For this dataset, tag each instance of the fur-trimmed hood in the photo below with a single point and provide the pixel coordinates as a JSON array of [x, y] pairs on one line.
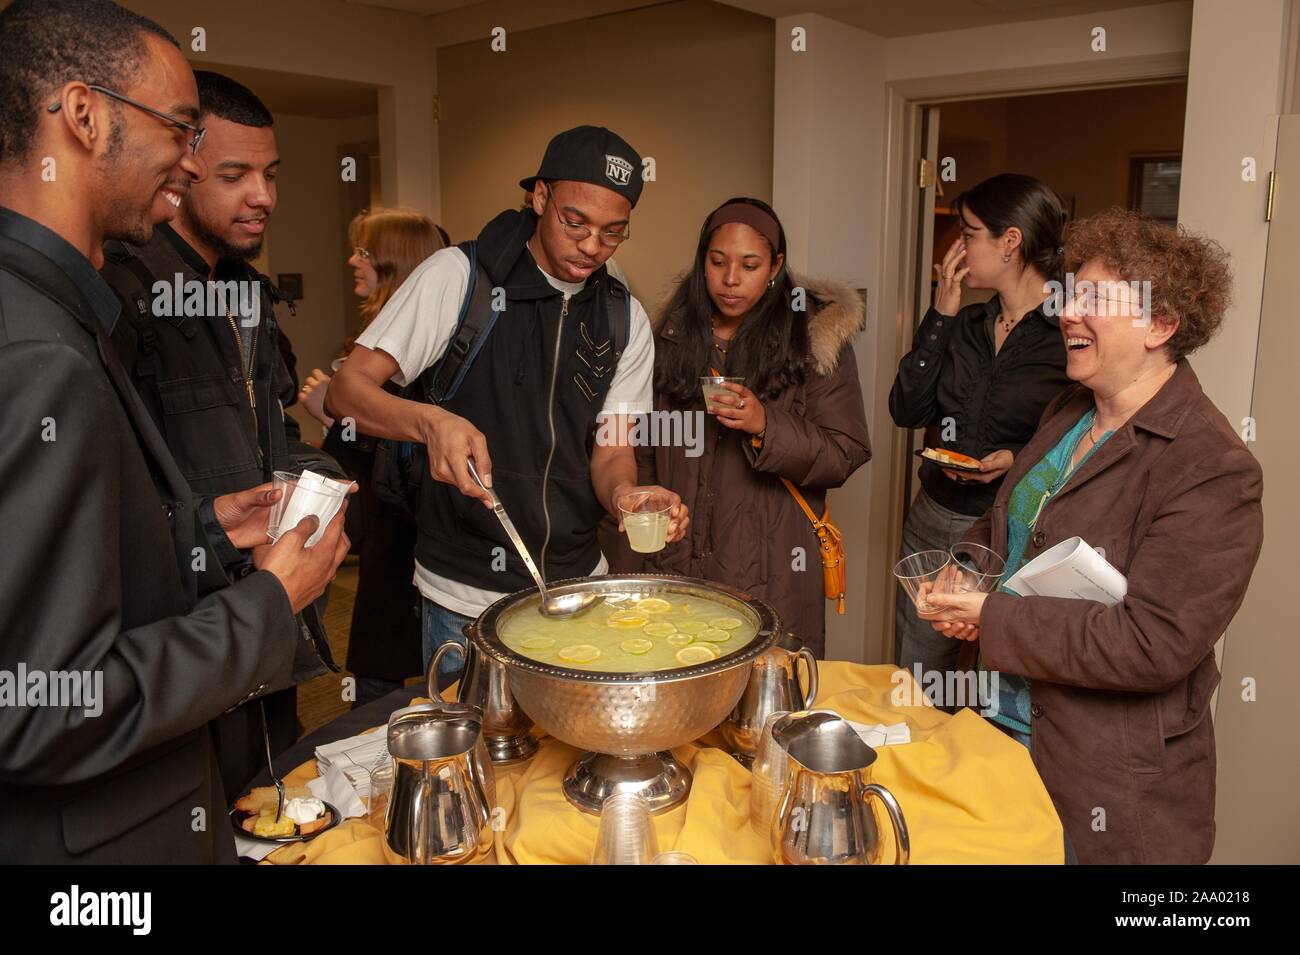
[[840, 313]]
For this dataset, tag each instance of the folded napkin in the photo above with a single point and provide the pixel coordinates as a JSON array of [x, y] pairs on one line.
[[876, 735], [355, 757]]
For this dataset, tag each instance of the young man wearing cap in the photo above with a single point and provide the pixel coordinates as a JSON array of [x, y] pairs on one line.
[[533, 398]]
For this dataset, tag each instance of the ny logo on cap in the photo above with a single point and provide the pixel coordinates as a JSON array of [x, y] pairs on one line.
[[618, 170]]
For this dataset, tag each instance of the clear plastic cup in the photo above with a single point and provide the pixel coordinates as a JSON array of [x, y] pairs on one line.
[[675, 858], [711, 385], [646, 515], [768, 777], [974, 569], [627, 834], [304, 496], [919, 569], [381, 790]]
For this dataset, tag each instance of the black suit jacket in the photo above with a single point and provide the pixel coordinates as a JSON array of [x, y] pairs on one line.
[[99, 544]]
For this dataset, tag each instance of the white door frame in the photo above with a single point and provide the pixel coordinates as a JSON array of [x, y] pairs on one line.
[[898, 242]]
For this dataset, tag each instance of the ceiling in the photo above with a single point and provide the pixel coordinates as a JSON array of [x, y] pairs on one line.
[[888, 18], [295, 94]]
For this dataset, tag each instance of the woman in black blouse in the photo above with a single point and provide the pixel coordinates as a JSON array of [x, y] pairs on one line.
[[978, 378]]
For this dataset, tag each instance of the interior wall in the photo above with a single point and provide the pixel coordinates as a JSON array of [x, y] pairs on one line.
[[1079, 143], [690, 84], [306, 236], [389, 49], [827, 175]]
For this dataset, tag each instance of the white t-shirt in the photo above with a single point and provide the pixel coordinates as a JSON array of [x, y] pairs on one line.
[[415, 327]]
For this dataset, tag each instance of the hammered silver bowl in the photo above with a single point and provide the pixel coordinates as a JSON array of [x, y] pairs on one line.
[[627, 723]]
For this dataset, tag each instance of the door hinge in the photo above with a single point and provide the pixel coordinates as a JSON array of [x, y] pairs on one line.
[[437, 109], [925, 174], [1272, 185]]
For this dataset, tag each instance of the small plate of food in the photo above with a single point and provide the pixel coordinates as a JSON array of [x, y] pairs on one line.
[[949, 459], [304, 817]]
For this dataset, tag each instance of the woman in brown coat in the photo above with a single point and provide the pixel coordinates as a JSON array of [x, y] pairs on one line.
[[799, 414], [1114, 701]]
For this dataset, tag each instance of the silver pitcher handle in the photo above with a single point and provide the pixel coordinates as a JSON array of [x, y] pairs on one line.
[[902, 844], [810, 695], [431, 680], [420, 823]]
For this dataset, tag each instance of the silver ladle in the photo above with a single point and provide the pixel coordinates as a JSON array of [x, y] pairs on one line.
[[560, 605]]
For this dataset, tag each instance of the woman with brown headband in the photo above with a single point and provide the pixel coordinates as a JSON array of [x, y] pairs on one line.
[[384, 646], [798, 415]]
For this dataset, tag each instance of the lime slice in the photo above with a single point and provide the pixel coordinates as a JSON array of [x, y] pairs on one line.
[[726, 623], [680, 639], [637, 645], [538, 643], [713, 635], [696, 654], [579, 653], [653, 605], [626, 620], [659, 629], [692, 626]]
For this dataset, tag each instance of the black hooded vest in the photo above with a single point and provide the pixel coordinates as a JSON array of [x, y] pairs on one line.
[[534, 391]]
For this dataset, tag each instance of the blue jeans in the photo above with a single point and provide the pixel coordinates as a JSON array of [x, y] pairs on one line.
[[440, 626]]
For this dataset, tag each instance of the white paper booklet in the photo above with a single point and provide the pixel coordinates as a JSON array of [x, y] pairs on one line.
[[1070, 569]]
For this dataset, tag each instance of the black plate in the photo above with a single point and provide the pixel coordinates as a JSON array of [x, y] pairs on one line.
[[238, 815], [953, 467]]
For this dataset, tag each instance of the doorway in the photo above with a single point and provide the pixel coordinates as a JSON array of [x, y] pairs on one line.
[[1117, 145]]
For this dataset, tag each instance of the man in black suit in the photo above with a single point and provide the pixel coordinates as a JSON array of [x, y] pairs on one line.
[[120, 635]]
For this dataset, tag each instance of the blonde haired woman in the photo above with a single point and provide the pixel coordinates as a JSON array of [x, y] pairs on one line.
[[384, 646]]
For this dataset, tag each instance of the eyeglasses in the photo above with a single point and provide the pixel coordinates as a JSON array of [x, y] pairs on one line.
[[198, 131], [362, 253], [580, 232]]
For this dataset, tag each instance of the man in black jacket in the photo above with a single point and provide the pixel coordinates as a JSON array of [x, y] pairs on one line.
[[199, 340], [120, 639]]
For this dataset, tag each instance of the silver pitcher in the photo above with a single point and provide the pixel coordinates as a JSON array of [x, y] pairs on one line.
[[484, 683], [773, 686], [824, 815], [444, 789]]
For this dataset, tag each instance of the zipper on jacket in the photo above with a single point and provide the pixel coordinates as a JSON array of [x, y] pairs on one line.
[[247, 363], [550, 419]]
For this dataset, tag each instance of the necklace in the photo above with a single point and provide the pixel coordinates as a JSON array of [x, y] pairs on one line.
[[1066, 472], [718, 339]]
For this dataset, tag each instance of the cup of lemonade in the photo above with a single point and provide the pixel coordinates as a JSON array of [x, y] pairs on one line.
[[645, 518]]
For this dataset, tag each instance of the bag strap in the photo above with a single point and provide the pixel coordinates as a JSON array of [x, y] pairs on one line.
[[474, 323], [618, 311]]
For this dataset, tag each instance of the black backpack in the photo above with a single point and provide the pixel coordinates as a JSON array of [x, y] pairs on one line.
[[400, 467]]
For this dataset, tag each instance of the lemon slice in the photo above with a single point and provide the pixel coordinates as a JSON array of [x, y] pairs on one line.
[[659, 629], [696, 654], [579, 653], [653, 605], [538, 643], [713, 635], [726, 623], [626, 620], [692, 626], [637, 645], [680, 639]]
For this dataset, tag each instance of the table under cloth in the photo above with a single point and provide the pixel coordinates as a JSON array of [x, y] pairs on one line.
[[969, 793]]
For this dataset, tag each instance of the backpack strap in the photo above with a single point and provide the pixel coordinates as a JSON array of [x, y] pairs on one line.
[[473, 326], [618, 309]]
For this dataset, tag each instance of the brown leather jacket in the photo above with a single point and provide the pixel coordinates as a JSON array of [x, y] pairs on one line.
[[1122, 734], [744, 523]]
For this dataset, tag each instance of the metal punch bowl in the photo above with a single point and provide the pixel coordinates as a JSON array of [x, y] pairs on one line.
[[626, 723]]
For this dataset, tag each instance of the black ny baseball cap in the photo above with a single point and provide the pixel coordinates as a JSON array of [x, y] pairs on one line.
[[591, 154]]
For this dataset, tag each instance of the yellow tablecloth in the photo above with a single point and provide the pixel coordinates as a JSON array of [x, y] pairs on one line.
[[970, 795]]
